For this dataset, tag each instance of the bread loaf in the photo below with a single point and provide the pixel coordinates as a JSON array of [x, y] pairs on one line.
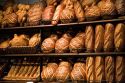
[[79, 11], [109, 69], [34, 14], [119, 71], [63, 71], [92, 12], [120, 4], [99, 69], [48, 74], [99, 38], [89, 40], [35, 40], [48, 44], [119, 38], [57, 13], [77, 44], [109, 37], [78, 72], [62, 44], [48, 13], [4, 44], [90, 69], [68, 13]]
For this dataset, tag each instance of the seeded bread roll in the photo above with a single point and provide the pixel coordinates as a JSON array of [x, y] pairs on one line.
[[99, 69], [89, 40], [99, 38], [109, 37], [109, 69], [90, 69], [120, 65], [79, 71], [119, 37]]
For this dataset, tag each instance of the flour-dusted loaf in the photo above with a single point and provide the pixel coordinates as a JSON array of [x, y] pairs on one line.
[[109, 37]]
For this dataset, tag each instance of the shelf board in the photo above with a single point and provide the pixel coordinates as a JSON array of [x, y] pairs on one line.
[[68, 24], [65, 54]]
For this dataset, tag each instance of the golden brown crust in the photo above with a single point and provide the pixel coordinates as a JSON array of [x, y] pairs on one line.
[[109, 37], [99, 38], [89, 40], [120, 65], [90, 69], [79, 11], [119, 38], [109, 68], [99, 68]]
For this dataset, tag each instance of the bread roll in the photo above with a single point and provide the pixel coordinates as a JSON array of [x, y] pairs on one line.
[[109, 69], [35, 40], [119, 38], [68, 13], [48, 74], [63, 71], [99, 69], [34, 14], [4, 44], [78, 72], [89, 40], [119, 71], [77, 44], [109, 37], [90, 69], [51, 2], [57, 13], [48, 13], [62, 45], [120, 4], [48, 44], [79, 11], [92, 12], [99, 38]]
